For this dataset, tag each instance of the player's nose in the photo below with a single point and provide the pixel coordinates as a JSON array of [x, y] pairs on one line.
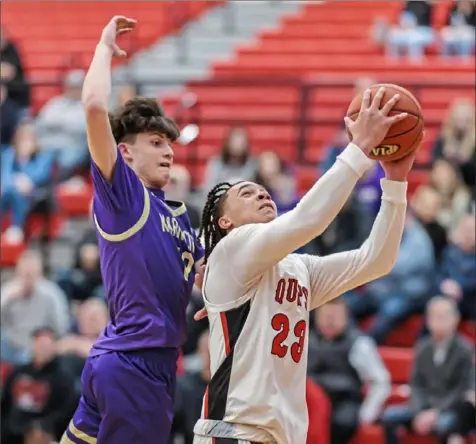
[[169, 154], [263, 194]]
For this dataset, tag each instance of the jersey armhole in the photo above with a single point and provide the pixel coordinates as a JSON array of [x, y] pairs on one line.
[[132, 230], [216, 308]]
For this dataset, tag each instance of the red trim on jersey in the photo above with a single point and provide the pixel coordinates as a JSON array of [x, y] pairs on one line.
[[226, 335], [205, 404]]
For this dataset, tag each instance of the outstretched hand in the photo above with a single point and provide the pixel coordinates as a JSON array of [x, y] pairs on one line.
[[373, 121], [117, 26]]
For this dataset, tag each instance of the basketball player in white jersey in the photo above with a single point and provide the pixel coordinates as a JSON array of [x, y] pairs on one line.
[[258, 294]]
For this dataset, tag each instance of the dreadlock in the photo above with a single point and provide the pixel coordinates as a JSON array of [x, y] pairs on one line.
[[211, 231]]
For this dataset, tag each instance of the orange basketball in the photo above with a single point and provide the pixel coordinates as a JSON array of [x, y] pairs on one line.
[[403, 137]]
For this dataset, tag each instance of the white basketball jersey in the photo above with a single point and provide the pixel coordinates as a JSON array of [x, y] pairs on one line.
[[259, 356], [258, 298]]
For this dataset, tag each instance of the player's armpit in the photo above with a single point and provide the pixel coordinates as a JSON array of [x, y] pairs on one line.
[[121, 206], [335, 274], [255, 248]]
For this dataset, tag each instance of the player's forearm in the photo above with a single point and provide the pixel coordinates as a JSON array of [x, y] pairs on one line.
[[319, 207], [379, 252], [97, 84]]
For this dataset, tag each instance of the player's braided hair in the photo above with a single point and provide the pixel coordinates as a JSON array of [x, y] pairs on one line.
[[210, 230]]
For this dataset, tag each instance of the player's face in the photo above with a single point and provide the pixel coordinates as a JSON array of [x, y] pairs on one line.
[[151, 157], [247, 203]]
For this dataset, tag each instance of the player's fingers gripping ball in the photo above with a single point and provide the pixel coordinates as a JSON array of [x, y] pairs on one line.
[[404, 136]]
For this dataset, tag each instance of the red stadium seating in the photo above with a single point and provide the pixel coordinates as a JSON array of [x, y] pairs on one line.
[[327, 41]]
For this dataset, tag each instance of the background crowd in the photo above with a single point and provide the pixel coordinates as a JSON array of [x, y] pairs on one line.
[[49, 321]]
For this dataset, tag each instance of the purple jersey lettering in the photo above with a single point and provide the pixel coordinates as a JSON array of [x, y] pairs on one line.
[[148, 250]]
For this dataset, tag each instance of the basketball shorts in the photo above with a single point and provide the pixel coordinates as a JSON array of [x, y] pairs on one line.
[[127, 397], [207, 440]]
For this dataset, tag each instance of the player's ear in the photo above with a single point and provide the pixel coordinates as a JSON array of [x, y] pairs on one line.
[[125, 150], [225, 223]]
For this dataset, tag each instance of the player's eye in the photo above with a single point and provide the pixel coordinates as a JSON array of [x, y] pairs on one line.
[[246, 194]]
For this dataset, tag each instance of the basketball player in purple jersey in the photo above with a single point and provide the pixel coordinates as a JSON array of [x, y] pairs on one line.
[[148, 256]]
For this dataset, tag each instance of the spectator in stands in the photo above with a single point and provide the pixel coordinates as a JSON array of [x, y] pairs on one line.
[[234, 162], [84, 279], [426, 204], [394, 297], [456, 143], [189, 393], [440, 378], [414, 33], [456, 196], [278, 179], [91, 319], [61, 126], [458, 37], [456, 276], [38, 394], [25, 170], [466, 414], [346, 232], [12, 72], [9, 117], [38, 435], [29, 301], [179, 188], [125, 93], [342, 361]]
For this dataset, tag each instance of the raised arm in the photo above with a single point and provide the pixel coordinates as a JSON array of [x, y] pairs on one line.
[[96, 94], [259, 246], [337, 273]]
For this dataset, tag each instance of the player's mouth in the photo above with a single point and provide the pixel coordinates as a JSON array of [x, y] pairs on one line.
[[165, 164], [267, 205]]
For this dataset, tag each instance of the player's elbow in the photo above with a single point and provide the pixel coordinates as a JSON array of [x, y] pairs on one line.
[[380, 263], [93, 105]]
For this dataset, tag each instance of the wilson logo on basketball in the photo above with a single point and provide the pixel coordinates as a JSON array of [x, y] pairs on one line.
[[385, 150]]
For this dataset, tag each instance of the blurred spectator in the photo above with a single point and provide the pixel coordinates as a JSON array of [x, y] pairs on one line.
[[426, 204], [9, 117], [84, 279], [404, 291], [61, 125], [456, 277], [36, 434], [456, 143], [29, 301], [279, 181], [342, 361], [178, 188], [456, 196], [440, 378], [347, 231], [414, 33], [124, 94], [191, 387], [458, 37], [12, 73], [234, 162], [37, 395], [92, 317], [24, 171]]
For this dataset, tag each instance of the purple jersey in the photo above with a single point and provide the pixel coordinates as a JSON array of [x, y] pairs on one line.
[[147, 250]]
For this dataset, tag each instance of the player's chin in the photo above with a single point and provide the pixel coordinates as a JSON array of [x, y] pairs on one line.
[[162, 177], [267, 214]]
